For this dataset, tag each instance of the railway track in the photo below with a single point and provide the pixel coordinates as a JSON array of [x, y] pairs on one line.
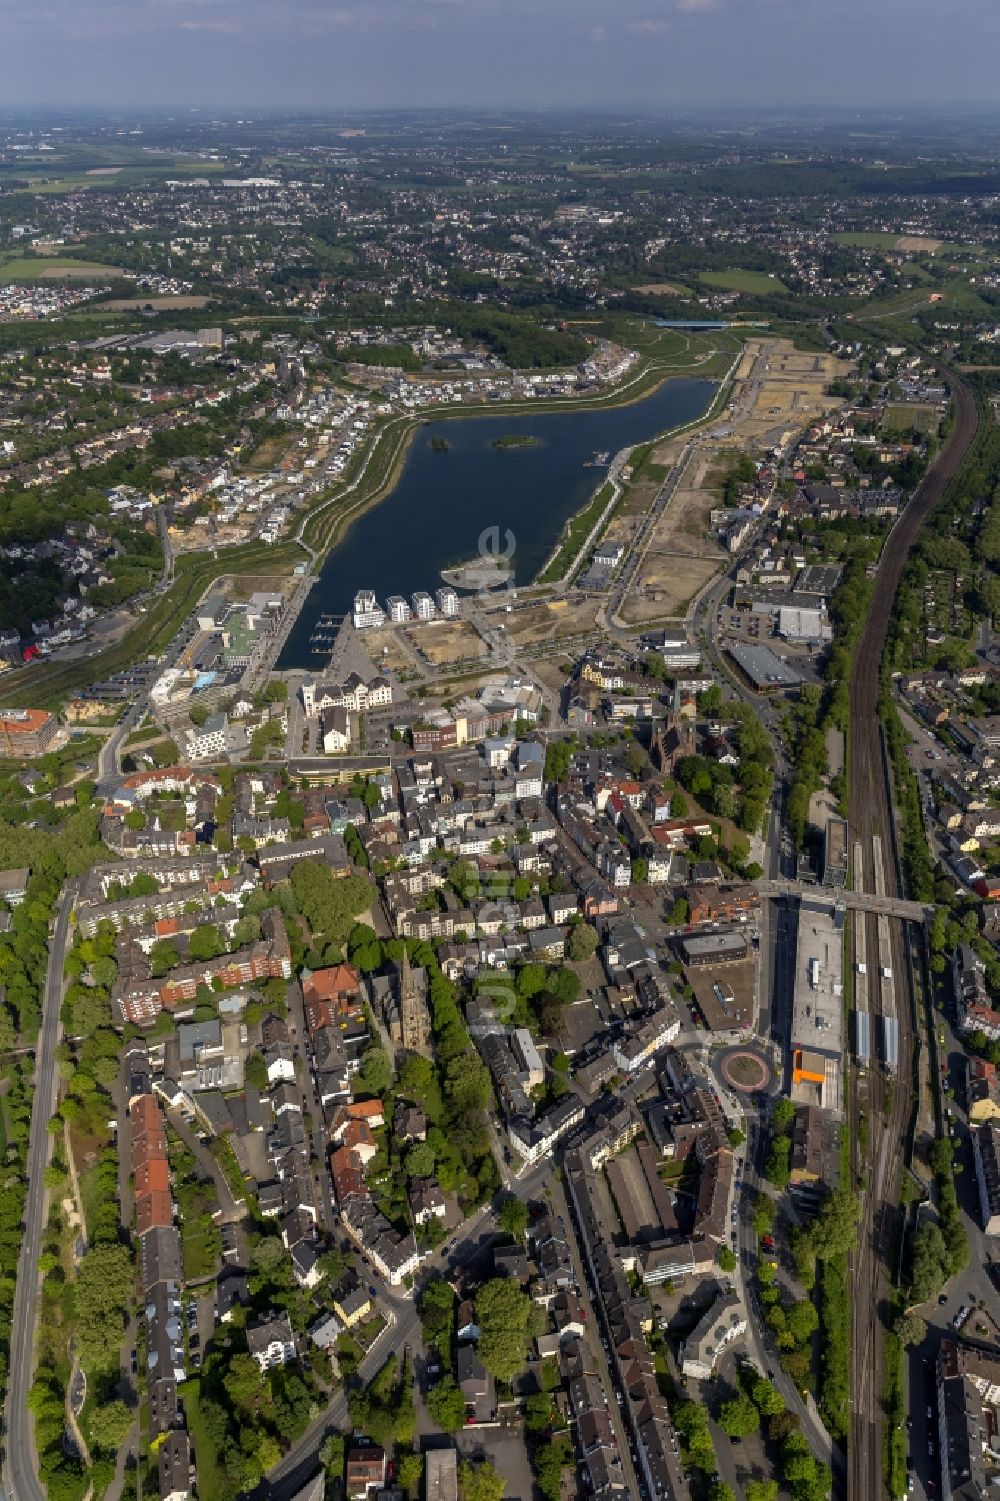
[[877, 1159]]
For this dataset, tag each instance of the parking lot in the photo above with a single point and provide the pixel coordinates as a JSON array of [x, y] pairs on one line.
[[746, 625], [505, 1448]]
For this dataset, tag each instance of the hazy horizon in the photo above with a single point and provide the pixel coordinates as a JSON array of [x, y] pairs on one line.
[[636, 56]]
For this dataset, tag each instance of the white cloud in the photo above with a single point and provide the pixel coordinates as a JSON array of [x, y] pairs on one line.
[[598, 34], [647, 28]]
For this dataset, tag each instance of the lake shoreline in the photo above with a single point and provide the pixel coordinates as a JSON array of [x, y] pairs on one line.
[[333, 540]]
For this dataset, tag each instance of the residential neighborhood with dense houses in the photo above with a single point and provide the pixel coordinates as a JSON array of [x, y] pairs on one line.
[[500, 818]]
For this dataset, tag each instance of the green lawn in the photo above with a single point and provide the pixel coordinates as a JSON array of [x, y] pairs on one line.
[[900, 417], [149, 732], [90, 1197], [201, 1244], [579, 528], [757, 282]]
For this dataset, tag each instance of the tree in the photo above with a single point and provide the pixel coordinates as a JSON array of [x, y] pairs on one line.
[[418, 1080], [727, 1259], [761, 1490], [801, 1321], [409, 1472], [163, 957], [104, 971], [268, 1254], [530, 980], [558, 755], [582, 943], [480, 1482], [504, 1315], [777, 1164], [691, 1422], [255, 1072], [548, 1461], [376, 1069], [446, 1404], [721, 1492], [331, 1455], [565, 986], [244, 1384], [763, 1214], [766, 1397], [247, 930], [420, 1160], [783, 1115], [109, 1423], [911, 1330], [739, 1417], [835, 1228], [513, 1217], [103, 1295], [205, 943]]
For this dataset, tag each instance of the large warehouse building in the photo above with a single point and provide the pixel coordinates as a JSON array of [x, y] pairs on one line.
[[817, 1030]]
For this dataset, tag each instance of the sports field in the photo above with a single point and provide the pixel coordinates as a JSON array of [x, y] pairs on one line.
[[757, 282]]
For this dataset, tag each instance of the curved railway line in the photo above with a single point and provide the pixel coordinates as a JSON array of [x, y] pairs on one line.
[[876, 1164]]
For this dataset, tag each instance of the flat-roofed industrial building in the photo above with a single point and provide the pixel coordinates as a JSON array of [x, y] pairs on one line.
[[835, 849], [816, 1038]]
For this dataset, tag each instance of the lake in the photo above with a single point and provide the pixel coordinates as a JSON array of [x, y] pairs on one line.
[[444, 501]]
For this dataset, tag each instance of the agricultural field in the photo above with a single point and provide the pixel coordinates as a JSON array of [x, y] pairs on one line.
[[55, 268]]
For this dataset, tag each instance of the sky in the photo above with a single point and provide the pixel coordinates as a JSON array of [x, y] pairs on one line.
[[615, 54]]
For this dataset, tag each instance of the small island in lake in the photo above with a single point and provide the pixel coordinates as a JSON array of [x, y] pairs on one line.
[[440, 445], [514, 440]]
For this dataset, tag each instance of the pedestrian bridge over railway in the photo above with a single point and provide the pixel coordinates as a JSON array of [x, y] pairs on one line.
[[854, 901]]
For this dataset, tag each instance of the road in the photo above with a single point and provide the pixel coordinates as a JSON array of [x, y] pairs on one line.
[[20, 1472], [870, 813]]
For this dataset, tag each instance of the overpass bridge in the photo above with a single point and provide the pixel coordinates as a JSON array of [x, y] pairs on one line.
[[854, 901]]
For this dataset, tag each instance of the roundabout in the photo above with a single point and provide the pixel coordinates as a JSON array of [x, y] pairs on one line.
[[745, 1070]]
